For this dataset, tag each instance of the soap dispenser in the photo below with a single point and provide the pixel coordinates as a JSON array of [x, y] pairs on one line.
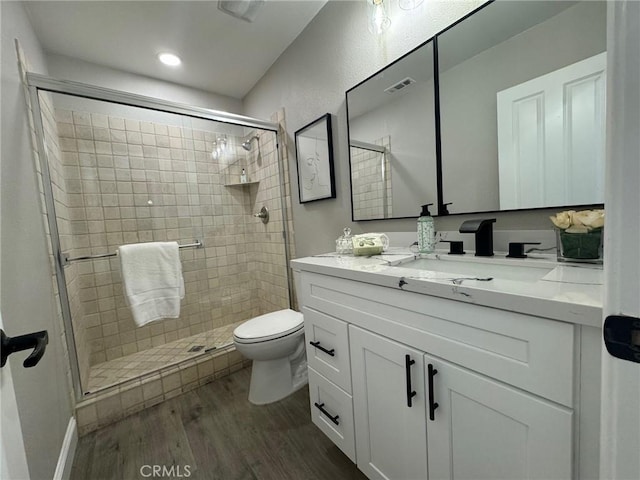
[[426, 231]]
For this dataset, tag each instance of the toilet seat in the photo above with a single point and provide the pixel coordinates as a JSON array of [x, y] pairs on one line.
[[269, 326]]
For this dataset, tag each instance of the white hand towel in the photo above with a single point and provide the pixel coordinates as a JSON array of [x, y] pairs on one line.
[[152, 280]]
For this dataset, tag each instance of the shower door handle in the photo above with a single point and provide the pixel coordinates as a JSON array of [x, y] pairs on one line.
[[38, 341]]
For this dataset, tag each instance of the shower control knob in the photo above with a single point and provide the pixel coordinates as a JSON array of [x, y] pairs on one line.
[[263, 214]]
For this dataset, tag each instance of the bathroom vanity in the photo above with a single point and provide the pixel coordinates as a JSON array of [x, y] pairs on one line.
[[439, 367]]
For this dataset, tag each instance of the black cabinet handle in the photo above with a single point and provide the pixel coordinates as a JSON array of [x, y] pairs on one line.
[[331, 352], [432, 405], [327, 414], [38, 341], [407, 367]]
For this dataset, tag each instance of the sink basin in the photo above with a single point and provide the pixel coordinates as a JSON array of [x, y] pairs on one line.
[[481, 269]]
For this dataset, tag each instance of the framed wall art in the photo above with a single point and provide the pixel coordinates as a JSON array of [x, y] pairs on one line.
[[314, 159]]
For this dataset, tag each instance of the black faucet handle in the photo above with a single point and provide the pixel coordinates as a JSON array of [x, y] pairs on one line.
[[455, 247], [516, 249]]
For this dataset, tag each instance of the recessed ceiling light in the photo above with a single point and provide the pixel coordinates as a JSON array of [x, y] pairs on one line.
[[169, 59]]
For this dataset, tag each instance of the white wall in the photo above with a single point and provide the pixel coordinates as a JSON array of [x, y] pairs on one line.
[[334, 53], [67, 68], [27, 298]]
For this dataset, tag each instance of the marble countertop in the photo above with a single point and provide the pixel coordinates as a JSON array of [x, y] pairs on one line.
[[566, 292]]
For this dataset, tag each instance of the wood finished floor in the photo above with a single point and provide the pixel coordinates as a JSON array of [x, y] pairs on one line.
[[219, 435]]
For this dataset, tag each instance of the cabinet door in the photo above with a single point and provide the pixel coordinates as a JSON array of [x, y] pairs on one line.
[[483, 429], [391, 441]]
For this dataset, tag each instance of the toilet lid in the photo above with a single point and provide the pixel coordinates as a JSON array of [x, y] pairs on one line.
[[269, 326]]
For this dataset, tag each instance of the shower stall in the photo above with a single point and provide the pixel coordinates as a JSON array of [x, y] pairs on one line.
[[118, 168], [371, 183]]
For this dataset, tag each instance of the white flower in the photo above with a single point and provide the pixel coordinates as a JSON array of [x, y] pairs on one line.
[[562, 220], [590, 218], [578, 222]]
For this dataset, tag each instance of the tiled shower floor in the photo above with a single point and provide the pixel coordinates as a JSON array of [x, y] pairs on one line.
[[121, 369]]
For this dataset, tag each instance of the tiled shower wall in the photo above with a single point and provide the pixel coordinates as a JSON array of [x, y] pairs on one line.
[[371, 193], [113, 167], [49, 125], [269, 266], [62, 204]]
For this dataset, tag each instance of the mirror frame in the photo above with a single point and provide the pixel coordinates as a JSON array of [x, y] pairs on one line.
[[438, 171], [324, 158], [442, 209]]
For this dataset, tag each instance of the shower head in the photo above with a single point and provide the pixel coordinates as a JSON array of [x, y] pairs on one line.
[[247, 144]]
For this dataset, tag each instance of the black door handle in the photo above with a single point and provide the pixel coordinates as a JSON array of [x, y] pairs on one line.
[[38, 341], [331, 352], [407, 367], [432, 405]]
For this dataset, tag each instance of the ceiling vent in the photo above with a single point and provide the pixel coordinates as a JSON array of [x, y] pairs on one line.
[[246, 10], [400, 85]]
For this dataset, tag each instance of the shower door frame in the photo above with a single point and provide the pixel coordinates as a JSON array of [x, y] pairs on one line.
[[37, 82]]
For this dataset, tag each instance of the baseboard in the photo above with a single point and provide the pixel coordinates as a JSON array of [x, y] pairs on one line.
[[67, 452]]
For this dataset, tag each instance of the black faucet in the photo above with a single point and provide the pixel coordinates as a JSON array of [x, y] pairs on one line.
[[483, 229]]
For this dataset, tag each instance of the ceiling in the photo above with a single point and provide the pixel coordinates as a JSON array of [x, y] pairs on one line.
[[220, 53]]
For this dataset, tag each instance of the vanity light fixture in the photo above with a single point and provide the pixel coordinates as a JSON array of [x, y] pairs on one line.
[[409, 4], [169, 59], [379, 20], [215, 151], [222, 143], [219, 147]]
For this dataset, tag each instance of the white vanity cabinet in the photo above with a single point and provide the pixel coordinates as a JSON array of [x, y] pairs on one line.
[[389, 406], [327, 344], [516, 394], [483, 429]]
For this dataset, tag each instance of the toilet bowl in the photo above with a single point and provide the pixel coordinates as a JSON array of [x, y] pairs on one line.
[[275, 343]]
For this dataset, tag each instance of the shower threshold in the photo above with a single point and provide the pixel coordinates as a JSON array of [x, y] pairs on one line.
[[122, 369]]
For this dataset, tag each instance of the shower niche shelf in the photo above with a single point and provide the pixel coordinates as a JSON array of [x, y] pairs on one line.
[[238, 184]]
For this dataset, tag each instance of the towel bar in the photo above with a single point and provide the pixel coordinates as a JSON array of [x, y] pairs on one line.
[[65, 260]]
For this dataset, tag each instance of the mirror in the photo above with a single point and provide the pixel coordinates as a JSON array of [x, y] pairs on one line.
[[522, 93], [391, 132]]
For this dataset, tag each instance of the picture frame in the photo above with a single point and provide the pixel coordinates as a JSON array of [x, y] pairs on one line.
[[314, 160]]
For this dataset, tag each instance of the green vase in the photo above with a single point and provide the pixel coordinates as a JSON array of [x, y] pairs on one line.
[[581, 246]]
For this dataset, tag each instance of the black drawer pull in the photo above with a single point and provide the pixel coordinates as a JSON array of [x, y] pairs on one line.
[[432, 405], [407, 367], [327, 414], [331, 352]]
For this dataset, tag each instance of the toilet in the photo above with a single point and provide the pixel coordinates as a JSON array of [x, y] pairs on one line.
[[275, 343]]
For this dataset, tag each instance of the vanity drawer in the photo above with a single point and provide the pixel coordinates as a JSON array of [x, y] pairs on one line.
[[332, 412], [327, 341], [532, 353]]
